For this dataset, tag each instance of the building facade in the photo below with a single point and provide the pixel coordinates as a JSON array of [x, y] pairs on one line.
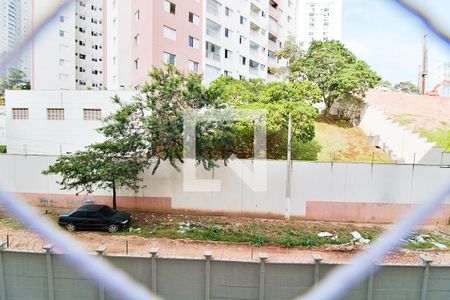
[[213, 37], [55, 122], [70, 53], [319, 20], [15, 26], [112, 44]]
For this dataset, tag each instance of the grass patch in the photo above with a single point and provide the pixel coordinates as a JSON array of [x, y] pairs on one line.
[[256, 232], [441, 136], [430, 237], [2, 149], [345, 143]]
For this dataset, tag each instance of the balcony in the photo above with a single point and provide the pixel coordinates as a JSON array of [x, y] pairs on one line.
[[273, 46], [214, 33], [213, 29], [213, 7], [274, 12], [214, 56]]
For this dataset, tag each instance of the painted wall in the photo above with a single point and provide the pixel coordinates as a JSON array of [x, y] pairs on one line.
[[357, 192], [402, 142], [26, 276], [37, 135]]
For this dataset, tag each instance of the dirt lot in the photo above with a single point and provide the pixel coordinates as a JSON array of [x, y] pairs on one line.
[[416, 112], [283, 241]]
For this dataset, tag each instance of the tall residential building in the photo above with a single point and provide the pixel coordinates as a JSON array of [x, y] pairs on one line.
[[69, 54], [113, 44], [319, 20], [15, 25], [235, 38]]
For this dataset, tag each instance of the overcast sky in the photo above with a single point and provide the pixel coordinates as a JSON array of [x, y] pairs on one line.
[[389, 38]]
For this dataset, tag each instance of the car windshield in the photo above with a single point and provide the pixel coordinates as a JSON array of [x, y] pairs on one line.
[[107, 211]]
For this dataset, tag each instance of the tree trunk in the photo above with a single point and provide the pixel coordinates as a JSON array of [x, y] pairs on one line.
[[114, 196]]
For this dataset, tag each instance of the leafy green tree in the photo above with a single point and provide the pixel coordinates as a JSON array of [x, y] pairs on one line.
[[385, 84], [16, 79], [107, 165], [154, 120], [406, 87], [278, 99], [335, 70]]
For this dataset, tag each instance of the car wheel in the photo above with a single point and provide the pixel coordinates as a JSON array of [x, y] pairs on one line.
[[113, 228], [71, 227]]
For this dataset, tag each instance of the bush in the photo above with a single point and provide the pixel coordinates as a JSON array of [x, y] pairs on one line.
[[2, 149], [305, 151]]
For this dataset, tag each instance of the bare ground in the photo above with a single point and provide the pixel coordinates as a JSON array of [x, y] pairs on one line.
[[26, 240], [416, 112]]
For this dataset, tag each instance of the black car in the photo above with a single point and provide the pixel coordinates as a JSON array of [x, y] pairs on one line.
[[97, 217]]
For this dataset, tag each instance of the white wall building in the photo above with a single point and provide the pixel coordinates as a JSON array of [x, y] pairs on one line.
[[69, 54], [319, 20], [118, 45], [56, 122], [241, 37], [15, 25]]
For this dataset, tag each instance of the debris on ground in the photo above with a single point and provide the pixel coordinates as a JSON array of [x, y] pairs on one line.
[[439, 245], [324, 234], [357, 237]]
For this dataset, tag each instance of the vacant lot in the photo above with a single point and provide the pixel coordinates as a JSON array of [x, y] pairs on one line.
[[341, 142], [255, 232], [427, 115]]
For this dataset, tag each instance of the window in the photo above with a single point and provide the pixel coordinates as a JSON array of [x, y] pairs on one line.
[[61, 33], [136, 64], [243, 60], [194, 19], [169, 58], [228, 11], [55, 113], [228, 32], [242, 20], [61, 19], [136, 39], [169, 33], [137, 15], [227, 73], [193, 66], [193, 42], [241, 39], [228, 53], [169, 7], [90, 114], [20, 113]]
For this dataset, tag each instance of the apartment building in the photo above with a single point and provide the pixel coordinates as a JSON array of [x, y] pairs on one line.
[[69, 54], [319, 20], [15, 25], [165, 31]]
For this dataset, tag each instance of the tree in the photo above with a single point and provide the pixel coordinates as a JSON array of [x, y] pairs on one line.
[[106, 165], [335, 70], [16, 79], [406, 87], [278, 99], [154, 120]]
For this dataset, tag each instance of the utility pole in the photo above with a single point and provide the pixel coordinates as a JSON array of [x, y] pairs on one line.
[[287, 212], [424, 62], [419, 76]]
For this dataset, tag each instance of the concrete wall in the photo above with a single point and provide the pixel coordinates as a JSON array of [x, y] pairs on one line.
[[355, 192], [25, 276], [402, 143], [38, 135]]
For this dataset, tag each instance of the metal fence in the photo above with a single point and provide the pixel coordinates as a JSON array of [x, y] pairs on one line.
[[45, 275]]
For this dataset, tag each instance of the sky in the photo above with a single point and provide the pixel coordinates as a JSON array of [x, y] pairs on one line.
[[389, 38]]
